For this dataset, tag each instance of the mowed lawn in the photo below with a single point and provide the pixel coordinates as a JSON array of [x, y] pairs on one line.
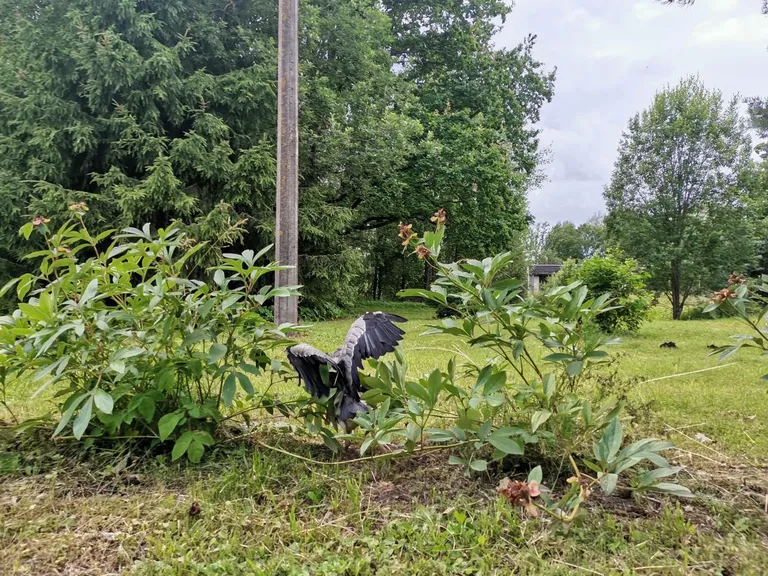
[[248, 510]]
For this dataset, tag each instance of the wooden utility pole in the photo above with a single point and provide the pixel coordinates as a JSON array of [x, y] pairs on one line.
[[287, 215]]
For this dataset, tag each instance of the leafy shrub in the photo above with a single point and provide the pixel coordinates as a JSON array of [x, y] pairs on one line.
[[516, 405], [699, 308], [135, 347], [750, 305], [621, 279]]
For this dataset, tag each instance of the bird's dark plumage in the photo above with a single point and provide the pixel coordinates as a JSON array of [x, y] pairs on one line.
[[370, 336]]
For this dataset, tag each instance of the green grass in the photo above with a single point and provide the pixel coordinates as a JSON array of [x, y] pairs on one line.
[[248, 510], [728, 404]]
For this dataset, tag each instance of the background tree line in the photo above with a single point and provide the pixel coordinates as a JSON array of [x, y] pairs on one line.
[[154, 111], [163, 111]]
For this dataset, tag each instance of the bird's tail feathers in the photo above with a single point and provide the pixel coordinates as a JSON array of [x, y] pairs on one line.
[[350, 408]]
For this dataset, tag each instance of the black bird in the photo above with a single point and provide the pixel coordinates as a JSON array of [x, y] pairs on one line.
[[370, 336]]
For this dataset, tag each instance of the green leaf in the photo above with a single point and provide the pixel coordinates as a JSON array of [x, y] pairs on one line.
[[611, 440], [166, 380], [654, 458], [485, 429], [507, 284], [494, 383], [608, 483], [549, 385], [194, 337], [146, 408], [251, 369], [416, 389], [365, 445], [168, 423], [26, 230], [216, 352], [674, 489], [439, 436], [275, 292], [488, 299], [129, 352], [496, 400], [83, 419], [332, 444], [204, 438], [413, 432], [652, 475], [58, 365], [206, 308], [421, 293], [25, 285], [195, 451], [559, 357], [103, 401], [118, 366], [574, 368], [67, 416], [434, 385], [728, 352], [195, 367], [90, 291], [245, 383], [228, 389], [456, 461], [539, 418], [5, 289], [414, 407], [502, 440], [535, 475], [479, 465], [181, 445]]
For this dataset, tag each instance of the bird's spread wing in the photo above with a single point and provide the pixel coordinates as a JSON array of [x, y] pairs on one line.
[[307, 361], [371, 336]]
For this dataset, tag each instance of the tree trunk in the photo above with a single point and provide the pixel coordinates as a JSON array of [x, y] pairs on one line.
[[429, 276], [677, 304]]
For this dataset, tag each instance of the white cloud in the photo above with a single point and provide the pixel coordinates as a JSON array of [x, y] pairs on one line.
[[723, 5], [611, 52], [582, 17], [648, 11], [735, 30]]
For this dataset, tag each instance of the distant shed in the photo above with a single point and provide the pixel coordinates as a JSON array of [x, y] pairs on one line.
[[539, 273]]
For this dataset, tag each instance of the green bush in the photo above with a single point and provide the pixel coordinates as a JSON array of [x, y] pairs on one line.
[[520, 405], [135, 347], [747, 301], [622, 279]]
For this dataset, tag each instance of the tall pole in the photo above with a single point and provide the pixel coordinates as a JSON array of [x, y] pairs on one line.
[[287, 214]]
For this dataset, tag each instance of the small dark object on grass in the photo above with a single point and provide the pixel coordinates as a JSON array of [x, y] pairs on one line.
[[668, 345], [195, 509], [713, 347]]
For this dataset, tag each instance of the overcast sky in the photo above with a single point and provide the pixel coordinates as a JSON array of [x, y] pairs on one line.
[[612, 56]]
